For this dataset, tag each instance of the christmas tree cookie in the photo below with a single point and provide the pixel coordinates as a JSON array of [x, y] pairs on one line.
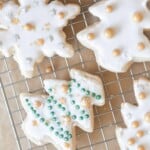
[[137, 119], [52, 119], [118, 39], [34, 29]]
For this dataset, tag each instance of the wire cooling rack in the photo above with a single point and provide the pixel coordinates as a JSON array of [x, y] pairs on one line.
[[118, 88]]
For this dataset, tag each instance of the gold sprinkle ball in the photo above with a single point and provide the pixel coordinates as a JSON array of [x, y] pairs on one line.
[[131, 141], [67, 119], [86, 102], [62, 100], [48, 69], [40, 42], [109, 32], [116, 52], [91, 36], [137, 17], [65, 88], [61, 15], [29, 27], [141, 147], [135, 124], [147, 117], [142, 95], [109, 8], [34, 123], [15, 21], [38, 104], [140, 133], [141, 46]]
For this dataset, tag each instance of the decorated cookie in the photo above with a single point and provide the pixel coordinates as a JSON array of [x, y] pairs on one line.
[[118, 40], [52, 119], [34, 30], [137, 119]]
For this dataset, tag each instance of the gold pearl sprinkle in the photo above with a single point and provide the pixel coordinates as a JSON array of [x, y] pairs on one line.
[[137, 16], [140, 133], [109, 33], [91, 36], [116, 52], [65, 88], [86, 102], [34, 123], [48, 69], [29, 27], [38, 104], [131, 141], [142, 95], [135, 124], [109, 8], [141, 147], [15, 21], [67, 145], [147, 117], [61, 15], [141, 46], [67, 119], [62, 100], [40, 42]]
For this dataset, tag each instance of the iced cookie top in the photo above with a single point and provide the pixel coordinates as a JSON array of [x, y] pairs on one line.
[[34, 29], [118, 37]]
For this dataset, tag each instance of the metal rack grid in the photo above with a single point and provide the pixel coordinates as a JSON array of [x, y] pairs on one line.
[[118, 88]]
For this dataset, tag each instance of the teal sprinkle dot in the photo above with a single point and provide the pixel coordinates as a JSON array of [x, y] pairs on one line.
[[68, 113], [98, 97], [27, 100], [73, 102], [69, 85], [81, 118], [77, 107], [87, 116], [74, 117], [87, 92], [61, 136], [49, 100], [56, 133], [83, 111], [59, 105], [37, 115], [54, 119], [54, 101], [51, 128], [93, 94], [78, 85], [42, 119], [52, 97], [32, 108], [46, 123], [83, 89], [63, 108], [70, 90], [70, 136], [50, 90], [66, 139], [29, 104], [34, 111], [52, 113], [58, 123], [50, 107], [61, 129], [66, 132], [74, 80]]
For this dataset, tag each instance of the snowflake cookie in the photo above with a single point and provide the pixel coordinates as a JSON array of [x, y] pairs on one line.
[[52, 119], [118, 40], [137, 119], [34, 29]]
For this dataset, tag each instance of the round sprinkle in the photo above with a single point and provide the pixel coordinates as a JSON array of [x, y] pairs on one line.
[[73, 102], [70, 136], [61, 136], [78, 85], [62, 100], [29, 27], [61, 15], [98, 97], [147, 117], [51, 128], [50, 89], [70, 90], [66, 139], [83, 89], [52, 97], [58, 123], [68, 113], [135, 124], [32, 108], [93, 94], [38, 104], [141, 46], [52, 113], [131, 141], [54, 102], [91, 36], [54, 119], [66, 132], [65, 88], [37, 115], [83, 112], [29, 104], [74, 117], [49, 100], [87, 116], [109, 8], [141, 147], [74, 80], [67, 119], [46, 123], [140, 133], [34, 111], [42, 119], [61, 129], [116, 52], [142, 95], [77, 107], [56, 133], [34, 123], [137, 17], [50, 107], [59, 105], [109, 33], [63, 108], [87, 92], [81, 118], [48, 69], [27, 100], [40, 42]]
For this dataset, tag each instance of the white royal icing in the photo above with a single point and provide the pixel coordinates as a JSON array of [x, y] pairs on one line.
[[48, 26], [72, 108], [128, 34], [133, 113]]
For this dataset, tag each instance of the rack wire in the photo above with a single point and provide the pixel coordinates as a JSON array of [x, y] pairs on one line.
[[118, 88]]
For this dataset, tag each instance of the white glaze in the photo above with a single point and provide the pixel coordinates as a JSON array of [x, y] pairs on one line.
[[39, 14], [136, 114], [40, 134], [127, 34]]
